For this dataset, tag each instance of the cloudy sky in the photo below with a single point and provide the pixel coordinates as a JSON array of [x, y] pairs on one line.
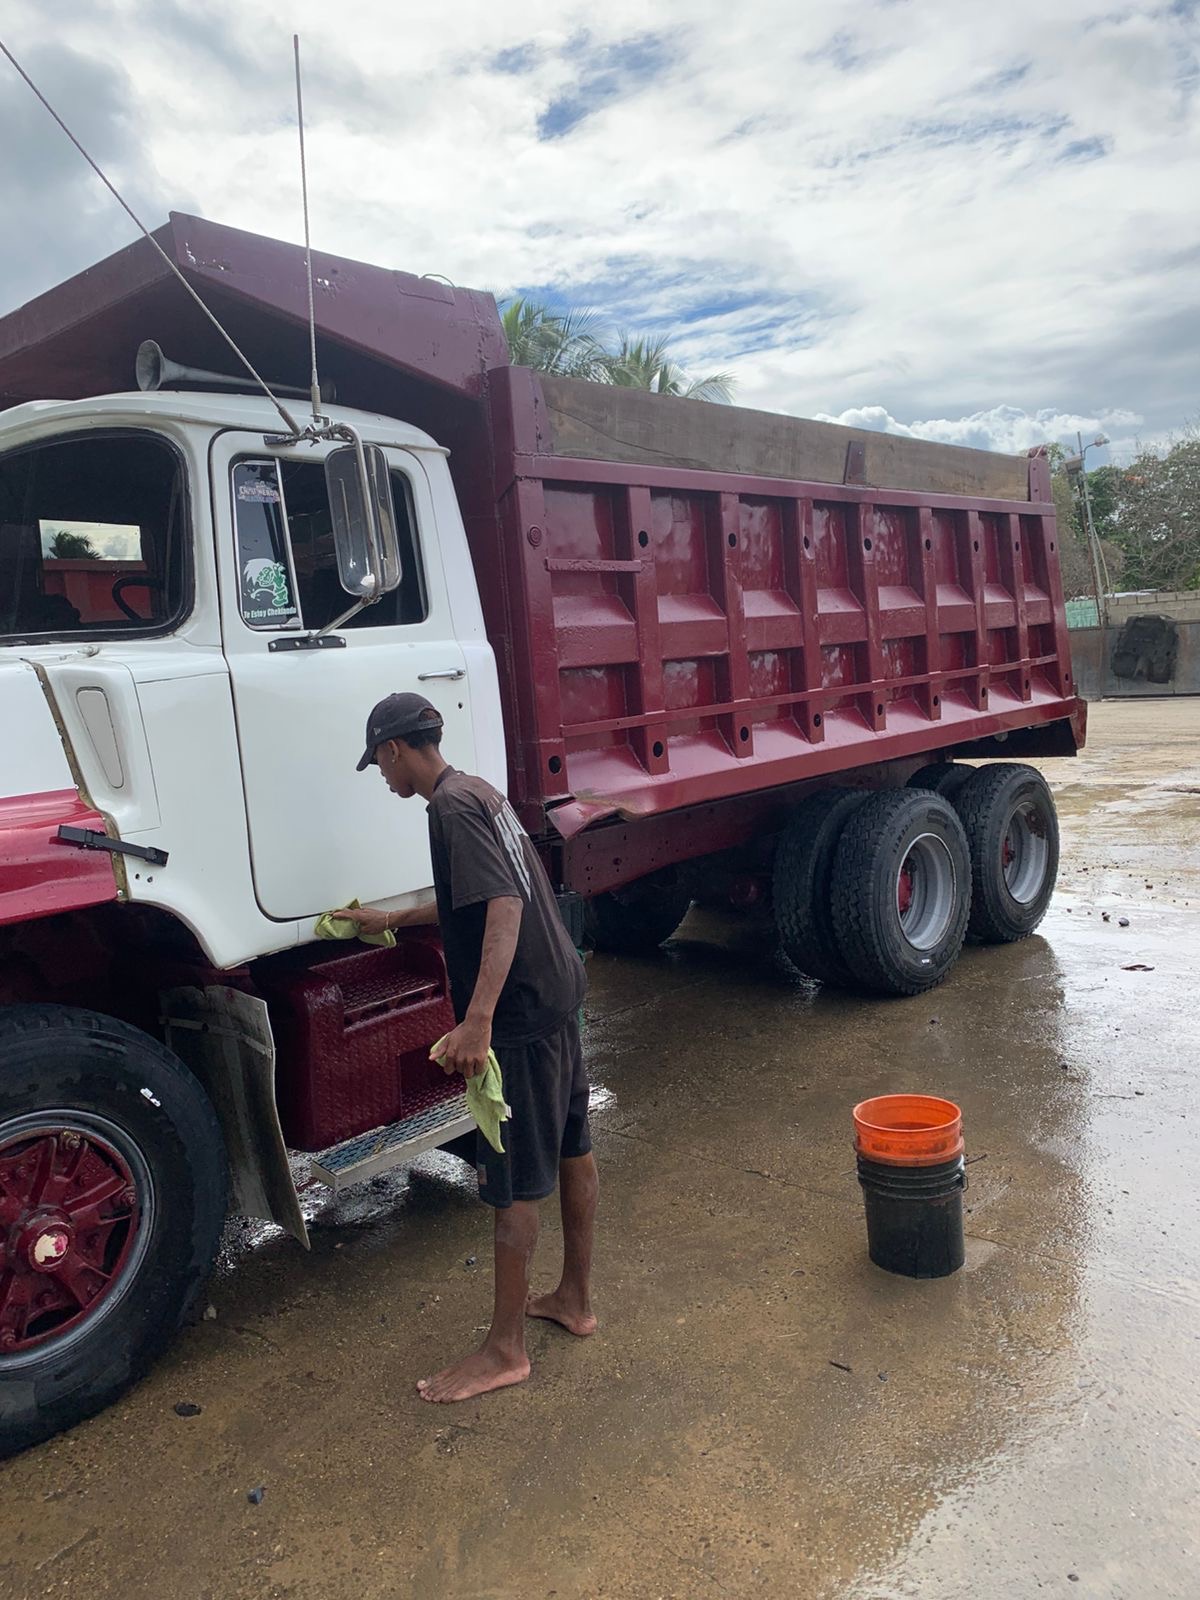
[[971, 221]]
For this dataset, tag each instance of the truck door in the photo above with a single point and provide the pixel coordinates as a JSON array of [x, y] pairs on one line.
[[320, 832]]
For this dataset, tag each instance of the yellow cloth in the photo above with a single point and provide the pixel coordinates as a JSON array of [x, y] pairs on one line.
[[485, 1096], [331, 927]]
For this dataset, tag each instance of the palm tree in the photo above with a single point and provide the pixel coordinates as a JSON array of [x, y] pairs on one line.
[[564, 342], [68, 546], [645, 363], [568, 343]]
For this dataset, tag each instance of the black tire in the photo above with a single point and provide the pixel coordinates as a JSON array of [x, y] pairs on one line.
[[1007, 811], [802, 882], [637, 918], [113, 1090], [943, 777], [890, 950]]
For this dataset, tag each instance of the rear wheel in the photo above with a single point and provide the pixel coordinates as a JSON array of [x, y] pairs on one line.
[[901, 891], [113, 1184], [1012, 829], [802, 878], [637, 918]]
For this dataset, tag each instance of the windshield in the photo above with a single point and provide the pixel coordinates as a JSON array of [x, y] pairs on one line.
[[91, 537]]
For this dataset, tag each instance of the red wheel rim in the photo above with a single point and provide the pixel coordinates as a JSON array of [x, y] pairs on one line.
[[71, 1222], [904, 890]]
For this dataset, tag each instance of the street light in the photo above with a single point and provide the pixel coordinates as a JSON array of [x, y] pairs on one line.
[[1077, 467]]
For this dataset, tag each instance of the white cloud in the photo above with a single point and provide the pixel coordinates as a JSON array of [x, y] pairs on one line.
[[1004, 428], [928, 208]]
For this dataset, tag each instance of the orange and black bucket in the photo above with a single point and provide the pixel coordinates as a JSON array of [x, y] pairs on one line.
[[912, 1172]]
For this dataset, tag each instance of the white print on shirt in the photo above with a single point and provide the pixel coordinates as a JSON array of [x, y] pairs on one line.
[[512, 837]]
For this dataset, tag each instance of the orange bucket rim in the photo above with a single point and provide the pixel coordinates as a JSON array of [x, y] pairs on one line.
[[929, 1100], [938, 1139]]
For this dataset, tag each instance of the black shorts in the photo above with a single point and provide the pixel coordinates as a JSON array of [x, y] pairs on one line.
[[546, 1088]]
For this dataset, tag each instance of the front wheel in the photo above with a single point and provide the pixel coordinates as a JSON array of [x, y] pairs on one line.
[[113, 1184], [901, 891], [637, 918], [1012, 829]]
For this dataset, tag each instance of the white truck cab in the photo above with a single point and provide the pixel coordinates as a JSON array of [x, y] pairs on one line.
[[185, 676], [172, 572]]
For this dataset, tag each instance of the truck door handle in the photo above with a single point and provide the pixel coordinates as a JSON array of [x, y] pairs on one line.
[[453, 673]]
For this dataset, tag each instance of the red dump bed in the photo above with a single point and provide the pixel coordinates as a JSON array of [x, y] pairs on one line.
[[691, 605], [692, 635]]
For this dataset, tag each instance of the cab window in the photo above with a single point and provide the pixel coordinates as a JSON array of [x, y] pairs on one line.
[[93, 537], [287, 569]]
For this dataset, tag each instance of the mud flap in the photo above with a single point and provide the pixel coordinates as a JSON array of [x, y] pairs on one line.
[[225, 1038]]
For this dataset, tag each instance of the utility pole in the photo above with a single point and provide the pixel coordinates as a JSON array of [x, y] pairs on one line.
[[1077, 465]]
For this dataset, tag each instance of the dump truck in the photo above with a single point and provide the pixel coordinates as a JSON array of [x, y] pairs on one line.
[[704, 650]]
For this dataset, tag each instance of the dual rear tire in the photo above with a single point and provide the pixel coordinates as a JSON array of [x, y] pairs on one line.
[[1008, 816], [878, 890], [900, 891]]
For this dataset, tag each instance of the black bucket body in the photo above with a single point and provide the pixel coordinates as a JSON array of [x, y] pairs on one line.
[[915, 1217]]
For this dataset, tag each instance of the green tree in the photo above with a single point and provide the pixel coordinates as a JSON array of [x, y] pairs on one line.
[[646, 363], [563, 342], [68, 546], [570, 344], [1074, 557], [1146, 517], [1155, 516]]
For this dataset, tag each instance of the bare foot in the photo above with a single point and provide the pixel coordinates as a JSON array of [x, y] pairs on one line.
[[569, 1314], [475, 1374]]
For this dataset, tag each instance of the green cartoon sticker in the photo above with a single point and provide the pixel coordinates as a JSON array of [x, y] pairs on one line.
[[266, 578]]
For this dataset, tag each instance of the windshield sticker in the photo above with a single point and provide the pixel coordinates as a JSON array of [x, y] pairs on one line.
[[264, 571], [266, 580], [258, 490], [266, 588]]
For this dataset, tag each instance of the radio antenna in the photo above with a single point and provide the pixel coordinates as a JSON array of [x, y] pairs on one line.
[[228, 338], [312, 316]]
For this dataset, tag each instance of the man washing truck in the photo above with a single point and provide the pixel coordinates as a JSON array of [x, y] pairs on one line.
[[698, 647], [517, 984]]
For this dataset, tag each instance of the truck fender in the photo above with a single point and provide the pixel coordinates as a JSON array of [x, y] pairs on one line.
[[225, 1037]]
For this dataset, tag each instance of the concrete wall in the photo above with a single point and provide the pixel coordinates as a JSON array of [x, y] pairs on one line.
[[1181, 605], [1124, 658]]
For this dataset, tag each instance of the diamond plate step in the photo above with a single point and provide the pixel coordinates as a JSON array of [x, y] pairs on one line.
[[391, 1146]]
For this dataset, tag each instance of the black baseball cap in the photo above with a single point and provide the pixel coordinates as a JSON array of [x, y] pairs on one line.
[[393, 718]]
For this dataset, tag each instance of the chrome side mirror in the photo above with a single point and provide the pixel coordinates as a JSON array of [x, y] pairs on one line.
[[364, 520]]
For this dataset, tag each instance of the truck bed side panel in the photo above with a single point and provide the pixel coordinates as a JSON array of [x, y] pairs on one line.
[[682, 635]]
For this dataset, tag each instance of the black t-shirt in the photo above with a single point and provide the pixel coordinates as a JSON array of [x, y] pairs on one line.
[[480, 853]]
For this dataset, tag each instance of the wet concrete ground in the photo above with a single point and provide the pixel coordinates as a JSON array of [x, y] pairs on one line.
[[762, 1410]]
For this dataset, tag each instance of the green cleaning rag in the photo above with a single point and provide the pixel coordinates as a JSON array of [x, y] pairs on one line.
[[331, 927], [485, 1097]]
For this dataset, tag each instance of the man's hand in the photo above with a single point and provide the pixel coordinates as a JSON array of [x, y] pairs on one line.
[[371, 921], [466, 1049], [421, 916]]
